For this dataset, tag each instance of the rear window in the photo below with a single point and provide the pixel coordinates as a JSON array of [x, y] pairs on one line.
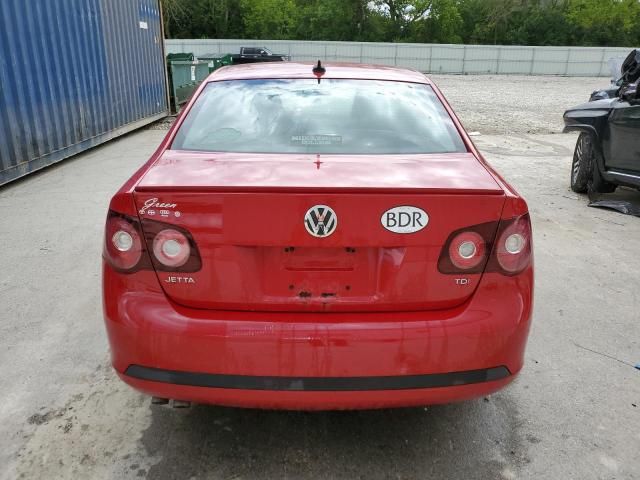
[[333, 117]]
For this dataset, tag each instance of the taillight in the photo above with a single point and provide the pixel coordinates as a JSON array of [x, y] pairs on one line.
[[512, 252], [171, 248], [467, 250], [473, 250], [123, 247]]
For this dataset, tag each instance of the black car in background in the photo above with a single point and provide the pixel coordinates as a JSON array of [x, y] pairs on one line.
[[607, 152], [258, 54]]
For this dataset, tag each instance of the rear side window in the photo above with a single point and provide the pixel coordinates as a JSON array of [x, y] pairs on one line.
[[333, 117]]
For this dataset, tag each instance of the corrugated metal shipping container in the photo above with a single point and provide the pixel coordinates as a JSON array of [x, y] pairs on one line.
[[74, 74]]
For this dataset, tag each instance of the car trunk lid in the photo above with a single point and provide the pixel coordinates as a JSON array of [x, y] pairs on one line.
[[246, 214]]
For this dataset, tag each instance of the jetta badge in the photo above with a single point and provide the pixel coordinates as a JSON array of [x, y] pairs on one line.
[[320, 221]]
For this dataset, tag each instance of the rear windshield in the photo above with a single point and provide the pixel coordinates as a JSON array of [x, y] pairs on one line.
[[333, 117]]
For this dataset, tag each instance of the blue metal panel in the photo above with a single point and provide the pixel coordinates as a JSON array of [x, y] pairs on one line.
[[73, 74]]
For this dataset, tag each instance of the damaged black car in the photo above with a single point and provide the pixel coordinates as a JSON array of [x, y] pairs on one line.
[[607, 152]]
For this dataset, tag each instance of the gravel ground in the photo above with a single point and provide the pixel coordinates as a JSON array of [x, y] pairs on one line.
[[164, 124], [503, 105]]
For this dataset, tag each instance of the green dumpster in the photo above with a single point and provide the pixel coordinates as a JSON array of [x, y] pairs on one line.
[[216, 60], [181, 57], [184, 78]]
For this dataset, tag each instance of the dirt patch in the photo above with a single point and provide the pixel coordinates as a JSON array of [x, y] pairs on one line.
[[94, 435]]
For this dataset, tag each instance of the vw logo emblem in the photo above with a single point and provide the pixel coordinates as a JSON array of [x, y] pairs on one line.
[[320, 221]]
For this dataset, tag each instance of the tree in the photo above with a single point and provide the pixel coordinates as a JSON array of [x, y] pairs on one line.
[[173, 12], [541, 25], [442, 24], [202, 18], [497, 14], [605, 22], [401, 14], [508, 22], [333, 20], [270, 19]]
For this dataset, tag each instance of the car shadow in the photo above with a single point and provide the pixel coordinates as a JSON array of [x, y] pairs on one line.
[[476, 439]]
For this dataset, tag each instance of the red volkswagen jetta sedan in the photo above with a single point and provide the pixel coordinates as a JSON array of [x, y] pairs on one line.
[[317, 237]]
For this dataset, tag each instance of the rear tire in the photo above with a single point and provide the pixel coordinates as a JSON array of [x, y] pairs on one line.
[[582, 165]]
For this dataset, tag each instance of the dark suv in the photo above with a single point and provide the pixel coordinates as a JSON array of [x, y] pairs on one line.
[[607, 152]]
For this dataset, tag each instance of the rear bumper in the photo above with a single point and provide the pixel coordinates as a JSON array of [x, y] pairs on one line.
[[317, 361], [317, 400]]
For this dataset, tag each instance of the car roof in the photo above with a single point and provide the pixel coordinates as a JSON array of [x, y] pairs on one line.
[[304, 70]]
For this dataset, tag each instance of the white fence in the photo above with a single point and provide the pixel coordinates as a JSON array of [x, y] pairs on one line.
[[431, 58]]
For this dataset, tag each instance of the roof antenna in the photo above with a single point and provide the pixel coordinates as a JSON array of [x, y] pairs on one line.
[[319, 71]]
